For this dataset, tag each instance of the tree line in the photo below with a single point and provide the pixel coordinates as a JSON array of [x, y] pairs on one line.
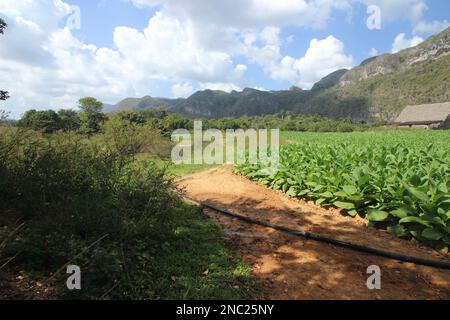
[[90, 119], [87, 121]]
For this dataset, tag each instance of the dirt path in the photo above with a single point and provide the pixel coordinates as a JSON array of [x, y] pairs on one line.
[[290, 267]]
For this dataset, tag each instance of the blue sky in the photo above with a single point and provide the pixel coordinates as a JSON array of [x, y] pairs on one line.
[[174, 47]]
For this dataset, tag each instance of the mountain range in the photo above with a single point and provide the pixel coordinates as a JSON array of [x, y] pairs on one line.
[[379, 88]]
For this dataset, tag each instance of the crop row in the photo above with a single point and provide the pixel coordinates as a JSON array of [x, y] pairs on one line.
[[404, 188]]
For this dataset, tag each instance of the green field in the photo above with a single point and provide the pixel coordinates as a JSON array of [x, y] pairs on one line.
[[399, 180]]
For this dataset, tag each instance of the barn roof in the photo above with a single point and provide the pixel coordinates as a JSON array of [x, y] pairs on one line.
[[424, 114]]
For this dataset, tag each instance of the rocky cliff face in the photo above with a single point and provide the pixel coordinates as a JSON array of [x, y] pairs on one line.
[[433, 48], [331, 80]]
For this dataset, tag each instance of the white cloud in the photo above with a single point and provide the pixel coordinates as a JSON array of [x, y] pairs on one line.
[[169, 48], [322, 58], [259, 13], [44, 66], [399, 9], [402, 42], [290, 39], [373, 52], [431, 27], [252, 13], [182, 90], [145, 3], [222, 86]]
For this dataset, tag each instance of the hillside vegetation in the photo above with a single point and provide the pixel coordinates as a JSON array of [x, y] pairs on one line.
[[385, 96]]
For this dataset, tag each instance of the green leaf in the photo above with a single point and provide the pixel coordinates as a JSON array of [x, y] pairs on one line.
[[377, 215], [416, 220], [415, 180], [291, 192], [326, 195], [341, 194], [344, 205], [350, 190], [320, 201], [422, 196], [432, 234], [397, 230], [400, 213], [352, 213]]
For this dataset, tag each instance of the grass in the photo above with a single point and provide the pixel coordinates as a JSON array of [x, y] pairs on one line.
[[197, 265]]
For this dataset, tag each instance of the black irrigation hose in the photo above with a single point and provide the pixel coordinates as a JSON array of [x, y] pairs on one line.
[[351, 246]]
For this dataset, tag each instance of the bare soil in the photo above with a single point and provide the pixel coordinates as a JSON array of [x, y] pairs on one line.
[[290, 267]]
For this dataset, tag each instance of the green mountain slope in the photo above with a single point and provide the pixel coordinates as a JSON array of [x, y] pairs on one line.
[[384, 96]]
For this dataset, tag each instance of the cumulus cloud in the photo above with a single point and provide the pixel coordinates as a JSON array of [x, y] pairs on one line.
[[402, 42], [44, 65], [168, 47], [431, 27], [321, 58]]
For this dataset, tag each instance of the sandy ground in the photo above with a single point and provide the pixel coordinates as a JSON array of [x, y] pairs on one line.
[[290, 267]]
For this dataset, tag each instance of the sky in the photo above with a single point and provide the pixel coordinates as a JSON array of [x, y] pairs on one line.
[[57, 51]]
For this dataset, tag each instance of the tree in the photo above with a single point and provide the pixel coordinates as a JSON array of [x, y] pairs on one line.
[[174, 122], [131, 117], [3, 25], [3, 115], [46, 121], [91, 105], [158, 113], [3, 94], [91, 116], [69, 120]]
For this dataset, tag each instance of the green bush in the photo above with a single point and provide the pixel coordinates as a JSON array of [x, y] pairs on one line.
[[70, 192], [90, 202]]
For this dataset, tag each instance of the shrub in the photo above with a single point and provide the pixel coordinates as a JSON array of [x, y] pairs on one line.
[[71, 192]]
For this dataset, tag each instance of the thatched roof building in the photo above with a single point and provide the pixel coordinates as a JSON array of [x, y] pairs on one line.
[[435, 115]]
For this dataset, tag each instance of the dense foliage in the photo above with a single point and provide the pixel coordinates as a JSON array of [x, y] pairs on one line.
[[90, 121], [68, 199], [400, 180], [287, 121]]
